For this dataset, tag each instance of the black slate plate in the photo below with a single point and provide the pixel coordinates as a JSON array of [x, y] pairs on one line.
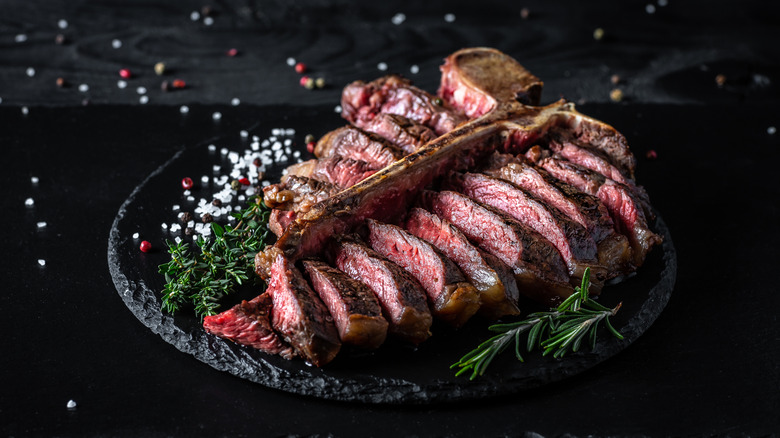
[[395, 373]]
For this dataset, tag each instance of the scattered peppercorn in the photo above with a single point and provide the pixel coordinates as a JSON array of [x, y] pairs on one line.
[[125, 73], [61, 82], [525, 13], [185, 217], [189, 231], [615, 79], [257, 162], [235, 185], [159, 69], [165, 86], [244, 181], [146, 246], [178, 83], [60, 39], [309, 83], [300, 67], [598, 34], [260, 175], [720, 80], [206, 218], [206, 11], [652, 154], [616, 95], [308, 139], [232, 52], [186, 183], [320, 82], [216, 202]]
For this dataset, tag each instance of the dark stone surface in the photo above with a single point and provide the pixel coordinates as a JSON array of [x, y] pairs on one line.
[[394, 374]]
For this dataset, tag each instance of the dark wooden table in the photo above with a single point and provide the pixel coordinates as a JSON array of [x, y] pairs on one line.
[[709, 364]]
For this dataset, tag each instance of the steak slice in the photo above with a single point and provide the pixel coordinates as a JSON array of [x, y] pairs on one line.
[[354, 308], [248, 324], [614, 251], [355, 143], [491, 277], [539, 269], [300, 316], [393, 94], [572, 240], [474, 80], [280, 220], [620, 201], [452, 298], [401, 297], [399, 130], [339, 171]]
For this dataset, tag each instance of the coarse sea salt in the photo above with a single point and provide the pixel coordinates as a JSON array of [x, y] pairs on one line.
[[414, 69], [29, 202], [71, 404], [143, 100], [235, 101], [30, 71], [217, 115], [25, 110], [83, 88], [34, 179], [116, 43], [121, 84], [136, 235], [291, 62], [184, 109], [41, 224], [42, 262]]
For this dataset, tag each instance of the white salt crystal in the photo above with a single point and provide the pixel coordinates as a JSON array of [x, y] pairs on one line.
[[29, 202], [208, 21], [287, 142], [184, 109], [62, 24], [164, 226], [398, 18], [143, 100], [414, 69], [216, 168], [187, 193], [254, 137], [217, 115], [20, 38], [136, 235], [244, 133], [771, 130], [235, 101], [25, 110], [121, 84], [194, 15], [83, 88], [337, 109], [34, 179], [204, 179], [42, 262], [224, 151], [296, 154], [289, 131], [255, 146], [177, 239], [116, 43], [291, 61], [176, 208], [140, 90], [212, 148], [190, 198], [662, 2], [650, 9], [41, 224], [449, 18], [382, 66], [30, 71]]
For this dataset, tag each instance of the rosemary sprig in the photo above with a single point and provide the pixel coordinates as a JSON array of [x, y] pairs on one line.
[[203, 276], [557, 331]]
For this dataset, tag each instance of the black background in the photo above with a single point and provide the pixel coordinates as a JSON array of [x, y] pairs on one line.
[[709, 365]]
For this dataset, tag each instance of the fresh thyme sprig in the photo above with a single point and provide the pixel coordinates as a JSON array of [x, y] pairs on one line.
[[557, 331], [203, 276]]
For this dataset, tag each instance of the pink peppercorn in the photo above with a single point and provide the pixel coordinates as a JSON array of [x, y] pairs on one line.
[[232, 52], [652, 154], [178, 83], [146, 246], [300, 67], [244, 181], [125, 73], [186, 183]]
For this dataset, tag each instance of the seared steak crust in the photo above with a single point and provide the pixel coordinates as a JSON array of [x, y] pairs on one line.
[[354, 308], [339, 171], [355, 143], [399, 130], [491, 277], [300, 316], [402, 298], [452, 298]]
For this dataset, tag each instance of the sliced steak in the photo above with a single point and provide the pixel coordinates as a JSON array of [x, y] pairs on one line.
[[624, 208], [402, 298], [280, 220], [614, 251], [490, 276], [572, 240], [354, 308], [399, 130], [362, 101], [475, 80], [248, 324], [339, 171], [540, 271], [355, 143], [452, 298], [300, 316]]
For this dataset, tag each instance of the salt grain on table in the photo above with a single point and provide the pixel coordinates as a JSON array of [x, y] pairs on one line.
[[29, 202], [116, 44], [184, 109], [42, 262], [41, 224]]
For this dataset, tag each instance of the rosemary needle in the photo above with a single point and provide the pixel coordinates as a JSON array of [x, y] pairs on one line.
[[203, 276], [556, 332]]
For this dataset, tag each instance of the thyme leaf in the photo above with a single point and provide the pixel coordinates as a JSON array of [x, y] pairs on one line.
[[201, 276], [558, 331]]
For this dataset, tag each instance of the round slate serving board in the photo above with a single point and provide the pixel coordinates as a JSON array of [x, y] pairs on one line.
[[396, 373]]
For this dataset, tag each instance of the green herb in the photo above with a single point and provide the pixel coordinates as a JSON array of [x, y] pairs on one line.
[[557, 331], [202, 277]]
